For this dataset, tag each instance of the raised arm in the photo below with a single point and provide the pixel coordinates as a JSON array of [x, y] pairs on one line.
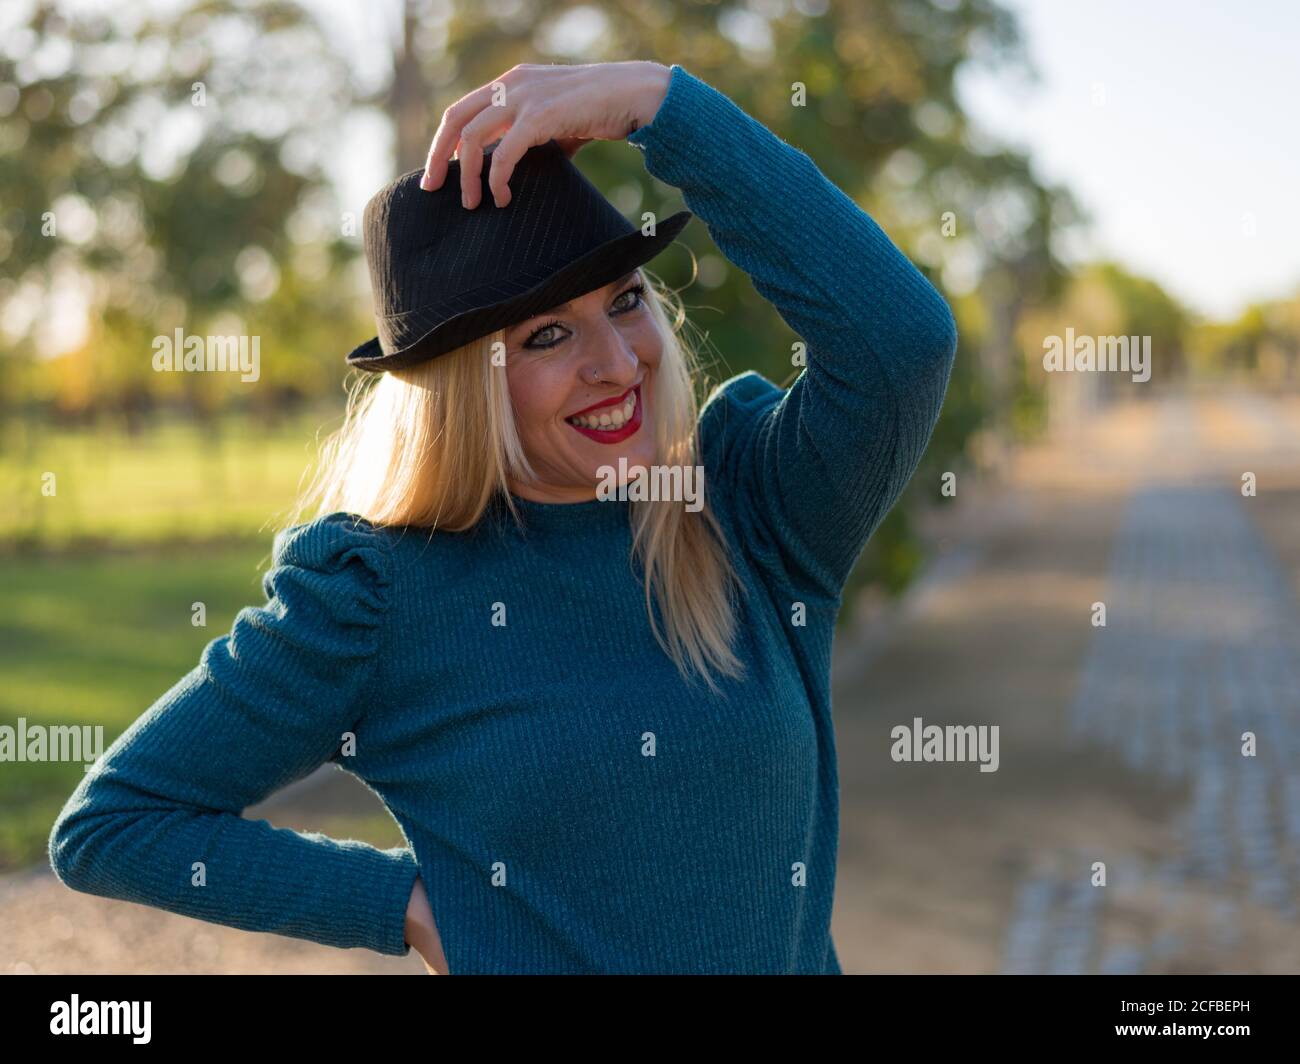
[[815, 468], [157, 820]]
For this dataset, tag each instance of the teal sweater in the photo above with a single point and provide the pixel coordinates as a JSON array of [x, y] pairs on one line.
[[571, 803]]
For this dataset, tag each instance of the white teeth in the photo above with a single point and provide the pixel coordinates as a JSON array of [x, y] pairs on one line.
[[608, 419]]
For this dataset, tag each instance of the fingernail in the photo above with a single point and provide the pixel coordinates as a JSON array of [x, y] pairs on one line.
[[464, 199], [425, 183]]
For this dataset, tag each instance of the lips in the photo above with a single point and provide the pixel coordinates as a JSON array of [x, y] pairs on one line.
[[597, 422], [605, 404]]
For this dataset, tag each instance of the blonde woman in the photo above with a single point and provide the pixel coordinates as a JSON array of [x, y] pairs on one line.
[[573, 631]]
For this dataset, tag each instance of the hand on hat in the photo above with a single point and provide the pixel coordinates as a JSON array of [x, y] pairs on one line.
[[533, 104]]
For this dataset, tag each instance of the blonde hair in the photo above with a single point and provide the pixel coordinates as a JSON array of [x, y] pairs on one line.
[[431, 445]]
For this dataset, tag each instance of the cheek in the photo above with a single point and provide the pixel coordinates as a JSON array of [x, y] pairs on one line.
[[647, 341], [538, 398]]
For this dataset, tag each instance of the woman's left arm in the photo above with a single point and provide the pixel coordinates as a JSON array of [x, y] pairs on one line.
[[817, 466]]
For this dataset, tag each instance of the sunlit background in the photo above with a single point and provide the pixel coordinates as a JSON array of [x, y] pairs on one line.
[[1112, 169]]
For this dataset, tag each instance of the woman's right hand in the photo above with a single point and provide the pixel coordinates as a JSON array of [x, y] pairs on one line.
[[571, 104], [422, 932]]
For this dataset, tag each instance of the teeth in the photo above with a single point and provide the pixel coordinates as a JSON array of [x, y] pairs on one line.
[[608, 418]]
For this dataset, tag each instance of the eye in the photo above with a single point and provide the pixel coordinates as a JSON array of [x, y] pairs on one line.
[[531, 341], [636, 290]]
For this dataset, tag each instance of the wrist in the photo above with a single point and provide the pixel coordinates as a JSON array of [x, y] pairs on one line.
[[416, 907], [651, 96]]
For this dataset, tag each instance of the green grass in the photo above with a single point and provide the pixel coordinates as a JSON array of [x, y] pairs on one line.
[[97, 580], [176, 481], [95, 641]]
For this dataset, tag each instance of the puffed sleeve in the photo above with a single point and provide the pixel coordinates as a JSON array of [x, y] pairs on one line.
[[158, 818]]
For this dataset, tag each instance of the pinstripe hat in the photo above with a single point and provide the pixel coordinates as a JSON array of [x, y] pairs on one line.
[[443, 275]]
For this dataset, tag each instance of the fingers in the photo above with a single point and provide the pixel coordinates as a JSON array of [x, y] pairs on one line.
[[454, 120], [522, 136], [479, 131]]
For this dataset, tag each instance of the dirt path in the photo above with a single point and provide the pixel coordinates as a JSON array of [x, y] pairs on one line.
[[1118, 744]]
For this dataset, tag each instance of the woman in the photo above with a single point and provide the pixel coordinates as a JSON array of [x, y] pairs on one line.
[[603, 724]]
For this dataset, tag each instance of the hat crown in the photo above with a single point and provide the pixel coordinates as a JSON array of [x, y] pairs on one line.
[[425, 249]]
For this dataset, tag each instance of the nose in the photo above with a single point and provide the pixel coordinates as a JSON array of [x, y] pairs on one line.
[[612, 359]]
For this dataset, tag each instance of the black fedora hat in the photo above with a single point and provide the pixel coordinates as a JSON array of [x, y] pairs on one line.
[[443, 275]]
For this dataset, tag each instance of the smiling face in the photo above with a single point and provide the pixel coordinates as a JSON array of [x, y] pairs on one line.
[[581, 380]]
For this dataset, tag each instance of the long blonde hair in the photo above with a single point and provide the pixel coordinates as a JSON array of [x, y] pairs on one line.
[[431, 445]]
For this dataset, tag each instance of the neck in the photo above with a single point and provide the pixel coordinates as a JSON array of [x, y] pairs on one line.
[[550, 493]]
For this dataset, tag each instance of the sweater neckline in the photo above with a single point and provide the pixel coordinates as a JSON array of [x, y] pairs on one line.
[[593, 513]]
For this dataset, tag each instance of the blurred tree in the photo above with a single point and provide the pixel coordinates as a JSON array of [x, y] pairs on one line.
[[1262, 342], [1104, 299], [409, 96], [166, 162]]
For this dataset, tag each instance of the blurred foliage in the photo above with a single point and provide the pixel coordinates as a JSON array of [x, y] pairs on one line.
[[1263, 342], [168, 171], [1100, 300]]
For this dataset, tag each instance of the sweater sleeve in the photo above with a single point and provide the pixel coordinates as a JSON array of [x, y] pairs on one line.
[[811, 470], [267, 704]]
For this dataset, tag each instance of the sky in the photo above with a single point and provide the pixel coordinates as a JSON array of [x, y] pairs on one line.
[[1177, 126]]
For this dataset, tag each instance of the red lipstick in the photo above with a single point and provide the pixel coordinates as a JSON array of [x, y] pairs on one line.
[[618, 400], [612, 435]]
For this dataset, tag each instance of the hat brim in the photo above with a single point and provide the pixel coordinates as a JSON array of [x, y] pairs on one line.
[[598, 267]]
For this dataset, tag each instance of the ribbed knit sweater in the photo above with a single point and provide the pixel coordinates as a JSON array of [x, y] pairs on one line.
[[571, 802]]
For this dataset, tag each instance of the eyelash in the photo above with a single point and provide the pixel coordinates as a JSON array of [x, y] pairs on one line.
[[638, 288]]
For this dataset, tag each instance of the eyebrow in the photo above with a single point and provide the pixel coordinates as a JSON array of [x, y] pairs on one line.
[[566, 305]]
